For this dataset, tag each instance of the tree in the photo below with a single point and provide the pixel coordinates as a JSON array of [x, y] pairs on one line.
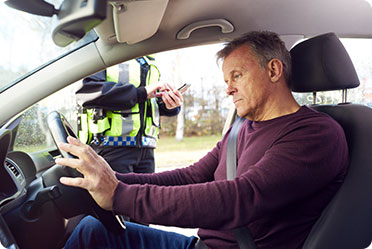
[[202, 111]]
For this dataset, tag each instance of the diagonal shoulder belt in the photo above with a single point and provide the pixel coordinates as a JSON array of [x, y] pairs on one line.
[[242, 234]]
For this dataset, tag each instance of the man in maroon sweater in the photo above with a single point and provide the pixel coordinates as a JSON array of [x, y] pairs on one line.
[[286, 172]]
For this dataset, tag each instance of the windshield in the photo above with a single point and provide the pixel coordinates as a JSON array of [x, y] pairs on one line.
[[26, 43]]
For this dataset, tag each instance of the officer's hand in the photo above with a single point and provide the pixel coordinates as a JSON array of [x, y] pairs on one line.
[[172, 98], [98, 178], [156, 89]]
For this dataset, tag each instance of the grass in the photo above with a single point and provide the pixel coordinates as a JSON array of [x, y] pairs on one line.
[[171, 153], [174, 154]]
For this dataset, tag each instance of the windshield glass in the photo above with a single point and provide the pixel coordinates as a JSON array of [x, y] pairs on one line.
[[26, 43]]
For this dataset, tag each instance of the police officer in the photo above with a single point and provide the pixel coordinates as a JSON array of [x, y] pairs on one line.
[[119, 113]]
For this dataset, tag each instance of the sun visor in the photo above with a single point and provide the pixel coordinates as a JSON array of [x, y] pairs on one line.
[[130, 17]]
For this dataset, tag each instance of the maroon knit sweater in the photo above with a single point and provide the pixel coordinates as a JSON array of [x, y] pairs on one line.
[[288, 170]]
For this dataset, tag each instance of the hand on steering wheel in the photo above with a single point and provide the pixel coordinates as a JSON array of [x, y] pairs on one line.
[[75, 201], [98, 177]]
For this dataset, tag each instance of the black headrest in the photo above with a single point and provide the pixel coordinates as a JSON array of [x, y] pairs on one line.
[[321, 63]]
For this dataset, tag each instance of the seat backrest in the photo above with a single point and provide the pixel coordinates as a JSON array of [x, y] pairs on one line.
[[320, 64]]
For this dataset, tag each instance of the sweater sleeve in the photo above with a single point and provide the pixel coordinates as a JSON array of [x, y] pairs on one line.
[[201, 171], [285, 175], [166, 112], [96, 92]]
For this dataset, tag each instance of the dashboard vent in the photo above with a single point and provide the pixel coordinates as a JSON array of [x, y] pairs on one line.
[[13, 169]]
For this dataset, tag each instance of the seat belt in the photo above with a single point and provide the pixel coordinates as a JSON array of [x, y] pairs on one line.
[[242, 234]]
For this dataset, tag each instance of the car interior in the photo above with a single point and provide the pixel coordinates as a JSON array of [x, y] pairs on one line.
[[322, 64], [34, 206]]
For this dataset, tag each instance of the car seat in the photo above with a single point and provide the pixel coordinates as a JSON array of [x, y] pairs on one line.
[[321, 63]]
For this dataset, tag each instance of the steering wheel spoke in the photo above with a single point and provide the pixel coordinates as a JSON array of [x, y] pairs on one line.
[[74, 201]]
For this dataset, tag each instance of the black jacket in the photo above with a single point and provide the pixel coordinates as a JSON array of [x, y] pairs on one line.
[[96, 92]]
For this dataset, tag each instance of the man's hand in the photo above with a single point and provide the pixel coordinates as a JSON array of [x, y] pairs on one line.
[[98, 178], [171, 97]]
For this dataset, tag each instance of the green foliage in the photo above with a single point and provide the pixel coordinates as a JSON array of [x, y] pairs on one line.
[[168, 126], [207, 121]]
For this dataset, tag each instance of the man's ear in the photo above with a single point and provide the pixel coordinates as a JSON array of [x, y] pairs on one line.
[[275, 69]]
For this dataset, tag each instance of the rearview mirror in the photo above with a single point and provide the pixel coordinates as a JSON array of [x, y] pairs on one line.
[[74, 18], [36, 7]]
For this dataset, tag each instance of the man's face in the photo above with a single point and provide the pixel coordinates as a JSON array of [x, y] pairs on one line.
[[247, 82]]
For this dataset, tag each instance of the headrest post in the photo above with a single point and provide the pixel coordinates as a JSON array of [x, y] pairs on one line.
[[344, 95], [314, 98]]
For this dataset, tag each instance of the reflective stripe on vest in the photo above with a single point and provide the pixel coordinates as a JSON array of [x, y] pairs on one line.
[[125, 125], [83, 133], [127, 141]]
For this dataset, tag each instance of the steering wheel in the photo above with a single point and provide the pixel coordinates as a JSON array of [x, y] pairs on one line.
[[74, 201]]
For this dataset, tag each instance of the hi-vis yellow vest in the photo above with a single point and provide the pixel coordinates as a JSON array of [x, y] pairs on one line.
[[138, 126]]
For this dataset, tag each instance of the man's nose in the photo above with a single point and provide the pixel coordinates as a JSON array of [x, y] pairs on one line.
[[229, 90]]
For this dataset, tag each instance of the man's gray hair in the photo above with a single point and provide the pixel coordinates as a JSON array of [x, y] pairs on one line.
[[266, 45]]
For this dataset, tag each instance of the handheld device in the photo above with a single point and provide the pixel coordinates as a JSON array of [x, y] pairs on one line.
[[183, 88]]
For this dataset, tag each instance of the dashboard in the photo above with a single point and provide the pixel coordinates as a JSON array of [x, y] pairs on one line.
[[6, 237], [14, 185], [27, 219], [19, 170], [34, 205]]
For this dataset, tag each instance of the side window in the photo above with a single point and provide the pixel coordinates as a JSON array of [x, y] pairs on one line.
[[33, 132], [199, 124], [205, 103]]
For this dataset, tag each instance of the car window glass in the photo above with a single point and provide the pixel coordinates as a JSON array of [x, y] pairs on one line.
[[205, 101], [33, 132], [206, 97], [26, 43]]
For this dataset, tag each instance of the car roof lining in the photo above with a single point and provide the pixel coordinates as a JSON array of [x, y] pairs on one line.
[[244, 16]]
